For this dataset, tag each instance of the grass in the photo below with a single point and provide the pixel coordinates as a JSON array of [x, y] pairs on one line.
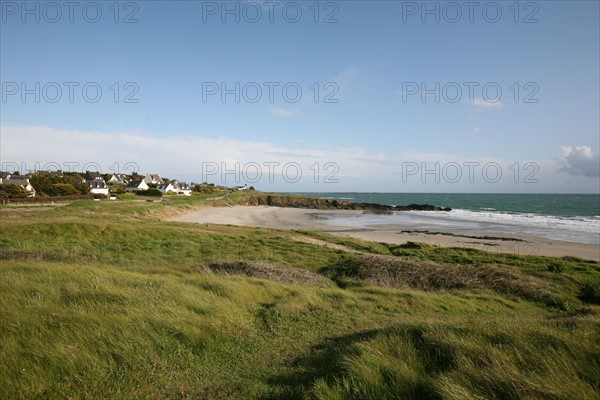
[[106, 300]]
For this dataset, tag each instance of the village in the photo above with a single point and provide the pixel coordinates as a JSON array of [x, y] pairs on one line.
[[43, 184]]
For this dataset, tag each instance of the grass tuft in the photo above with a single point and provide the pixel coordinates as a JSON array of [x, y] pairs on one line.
[[270, 272]]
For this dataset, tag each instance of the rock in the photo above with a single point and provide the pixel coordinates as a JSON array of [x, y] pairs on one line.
[[327, 204]]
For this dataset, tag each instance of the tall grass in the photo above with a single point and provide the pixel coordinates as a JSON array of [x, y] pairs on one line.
[[105, 300]]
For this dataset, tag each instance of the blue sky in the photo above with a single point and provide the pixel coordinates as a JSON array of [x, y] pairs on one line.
[[371, 58]]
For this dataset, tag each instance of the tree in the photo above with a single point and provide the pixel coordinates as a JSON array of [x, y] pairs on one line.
[[52, 185], [43, 183], [116, 187], [78, 182], [64, 189]]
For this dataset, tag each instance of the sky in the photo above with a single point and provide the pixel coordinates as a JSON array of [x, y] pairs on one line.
[[388, 96]]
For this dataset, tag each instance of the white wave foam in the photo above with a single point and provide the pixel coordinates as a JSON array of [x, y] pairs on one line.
[[574, 228]]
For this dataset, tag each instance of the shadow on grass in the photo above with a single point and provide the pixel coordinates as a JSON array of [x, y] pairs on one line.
[[323, 362]]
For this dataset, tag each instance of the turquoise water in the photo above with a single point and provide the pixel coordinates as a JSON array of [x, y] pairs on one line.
[[569, 217], [568, 205]]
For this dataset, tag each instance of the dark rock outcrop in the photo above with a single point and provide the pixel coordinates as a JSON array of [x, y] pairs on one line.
[[328, 204]]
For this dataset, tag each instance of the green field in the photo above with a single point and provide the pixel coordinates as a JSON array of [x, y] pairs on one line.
[[105, 299]]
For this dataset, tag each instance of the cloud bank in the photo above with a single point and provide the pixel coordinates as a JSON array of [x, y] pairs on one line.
[[579, 161], [271, 166]]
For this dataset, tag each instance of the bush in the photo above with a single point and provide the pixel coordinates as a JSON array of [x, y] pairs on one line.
[[125, 196], [149, 192], [13, 191], [589, 291], [411, 245], [557, 267], [64, 189], [207, 189]]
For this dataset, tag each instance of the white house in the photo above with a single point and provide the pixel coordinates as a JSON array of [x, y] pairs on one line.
[[166, 187], [118, 178], [4, 175], [98, 186], [182, 188], [24, 182], [134, 186], [153, 179]]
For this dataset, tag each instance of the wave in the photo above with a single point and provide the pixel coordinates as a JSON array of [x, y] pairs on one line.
[[564, 226]]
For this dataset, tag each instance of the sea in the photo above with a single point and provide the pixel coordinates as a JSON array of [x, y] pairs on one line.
[[568, 217]]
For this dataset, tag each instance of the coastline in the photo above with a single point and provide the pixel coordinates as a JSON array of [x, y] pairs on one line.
[[325, 221]]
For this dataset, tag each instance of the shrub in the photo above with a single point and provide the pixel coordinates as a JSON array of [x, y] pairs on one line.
[[149, 192], [125, 196], [589, 291], [64, 189], [13, 191], [411, 245], [556, 267]]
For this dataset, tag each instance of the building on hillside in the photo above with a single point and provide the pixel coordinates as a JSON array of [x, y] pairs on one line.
[[98, 186], [153, 179], [4, 175], [182, 188], [119, 178], [166, 187], [91, 175], [24, 182], [136, 185]]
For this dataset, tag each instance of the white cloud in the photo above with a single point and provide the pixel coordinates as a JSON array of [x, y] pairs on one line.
[[187, 157], [284, 113], [579, 161], [477, 130], [485, 104]]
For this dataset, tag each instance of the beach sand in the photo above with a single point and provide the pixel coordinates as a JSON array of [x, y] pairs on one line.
[[324, 221]]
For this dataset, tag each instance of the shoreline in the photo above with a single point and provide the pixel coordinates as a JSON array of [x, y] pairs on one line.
[[324, 221]]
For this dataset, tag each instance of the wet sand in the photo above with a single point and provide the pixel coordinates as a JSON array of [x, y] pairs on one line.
[[324, 220]]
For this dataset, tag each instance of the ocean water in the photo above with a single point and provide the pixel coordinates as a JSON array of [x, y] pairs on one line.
[[569, 217]]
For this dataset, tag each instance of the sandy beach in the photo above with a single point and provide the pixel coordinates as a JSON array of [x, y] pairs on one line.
[[325, 221]]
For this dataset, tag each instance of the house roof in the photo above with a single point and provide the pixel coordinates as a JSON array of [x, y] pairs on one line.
[[155, 177], [15, 181], [89, 175], [122, 178], [134, 184]]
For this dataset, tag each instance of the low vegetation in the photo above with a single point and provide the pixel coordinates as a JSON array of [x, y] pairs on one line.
[[105, 299]]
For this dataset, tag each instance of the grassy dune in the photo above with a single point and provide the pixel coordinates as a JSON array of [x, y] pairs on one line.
[[105, 300]]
